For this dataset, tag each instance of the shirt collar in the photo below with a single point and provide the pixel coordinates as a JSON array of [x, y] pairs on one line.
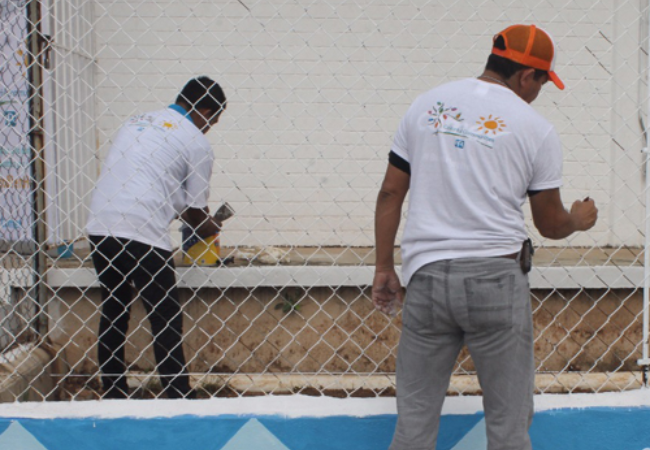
[[182, 111]]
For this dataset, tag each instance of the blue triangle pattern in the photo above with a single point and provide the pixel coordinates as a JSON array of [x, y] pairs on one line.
[[16, 437], [476, 439], [254, 435]]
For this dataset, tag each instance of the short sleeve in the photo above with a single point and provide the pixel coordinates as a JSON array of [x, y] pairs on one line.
[[547, 165], [400, 141], [199, 172], [399, 163]]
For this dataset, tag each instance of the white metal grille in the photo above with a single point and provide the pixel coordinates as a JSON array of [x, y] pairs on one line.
[[315, 92]]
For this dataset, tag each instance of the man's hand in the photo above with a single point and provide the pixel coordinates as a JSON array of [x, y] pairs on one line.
[[201, 221], [387, 292], [554, 222], [584, 214]]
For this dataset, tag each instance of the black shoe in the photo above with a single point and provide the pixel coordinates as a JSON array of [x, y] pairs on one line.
[[115, 393]]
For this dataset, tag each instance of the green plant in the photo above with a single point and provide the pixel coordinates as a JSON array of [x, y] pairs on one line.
[[290, 302]]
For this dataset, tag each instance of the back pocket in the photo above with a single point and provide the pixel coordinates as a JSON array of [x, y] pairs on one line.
[[489, 302], [417, 315]]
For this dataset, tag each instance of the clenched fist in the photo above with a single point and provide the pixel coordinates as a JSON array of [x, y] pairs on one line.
[[584, 214]]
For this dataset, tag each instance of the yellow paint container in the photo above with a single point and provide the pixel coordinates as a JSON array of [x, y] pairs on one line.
[[201, 252]]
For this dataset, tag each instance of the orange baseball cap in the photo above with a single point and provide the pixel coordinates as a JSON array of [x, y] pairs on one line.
[[531, 47]]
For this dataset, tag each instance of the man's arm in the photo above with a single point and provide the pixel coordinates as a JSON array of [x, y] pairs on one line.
[[387, 291], [555, 222], [201, 221]]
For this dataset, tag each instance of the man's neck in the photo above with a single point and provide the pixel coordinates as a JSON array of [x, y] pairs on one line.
[[494, 78]]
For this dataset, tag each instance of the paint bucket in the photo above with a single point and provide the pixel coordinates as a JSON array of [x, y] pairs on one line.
[[198, 251]]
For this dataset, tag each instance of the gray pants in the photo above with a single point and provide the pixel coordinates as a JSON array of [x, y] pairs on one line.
[[485, 304]]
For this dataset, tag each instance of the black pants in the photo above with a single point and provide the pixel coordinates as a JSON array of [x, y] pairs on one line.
[[122, 264]]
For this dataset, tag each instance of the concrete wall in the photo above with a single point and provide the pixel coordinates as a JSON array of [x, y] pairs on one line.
[[337, 331], [316, 90]]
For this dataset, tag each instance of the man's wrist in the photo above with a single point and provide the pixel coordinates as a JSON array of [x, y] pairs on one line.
[[384, 267], [574, 223]]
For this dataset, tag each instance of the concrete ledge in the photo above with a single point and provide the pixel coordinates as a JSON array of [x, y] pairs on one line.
[[366, 385], [566, 277], [295, 406]]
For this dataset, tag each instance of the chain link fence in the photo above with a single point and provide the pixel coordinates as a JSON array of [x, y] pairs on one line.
[[315, 92]]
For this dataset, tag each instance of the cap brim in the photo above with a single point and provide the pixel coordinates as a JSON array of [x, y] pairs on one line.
[[555, 79]]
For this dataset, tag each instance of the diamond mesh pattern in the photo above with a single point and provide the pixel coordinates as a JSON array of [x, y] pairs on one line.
[[315, 91]]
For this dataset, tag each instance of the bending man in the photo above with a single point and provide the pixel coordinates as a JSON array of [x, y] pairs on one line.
[[157, 169]]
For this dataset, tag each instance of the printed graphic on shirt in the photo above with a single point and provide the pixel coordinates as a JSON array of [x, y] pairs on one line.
[[440, 114], [449, 120], [143, 121], [491, 124]]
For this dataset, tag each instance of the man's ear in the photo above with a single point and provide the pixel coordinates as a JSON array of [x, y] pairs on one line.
[[205, 112], [526, 76]]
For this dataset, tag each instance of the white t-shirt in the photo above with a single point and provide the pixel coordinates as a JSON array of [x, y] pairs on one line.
[[474, 150], [159, 164]]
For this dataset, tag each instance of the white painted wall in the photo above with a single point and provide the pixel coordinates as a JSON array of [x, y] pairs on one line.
[[70, 117], [317, 88]]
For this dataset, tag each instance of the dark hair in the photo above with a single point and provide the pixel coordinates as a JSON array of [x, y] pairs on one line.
[[506, 67], [203, 92]]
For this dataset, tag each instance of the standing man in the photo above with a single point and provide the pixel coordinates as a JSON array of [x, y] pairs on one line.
[[157, 169], [470, 152]]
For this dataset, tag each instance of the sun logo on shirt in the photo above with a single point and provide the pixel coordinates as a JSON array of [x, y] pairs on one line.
[[168, 125], [491, 124]]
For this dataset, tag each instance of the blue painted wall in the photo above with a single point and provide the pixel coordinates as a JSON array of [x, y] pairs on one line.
[[586, 429]]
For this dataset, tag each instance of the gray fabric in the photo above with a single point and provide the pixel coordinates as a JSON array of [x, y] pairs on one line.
[[485, 304]]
